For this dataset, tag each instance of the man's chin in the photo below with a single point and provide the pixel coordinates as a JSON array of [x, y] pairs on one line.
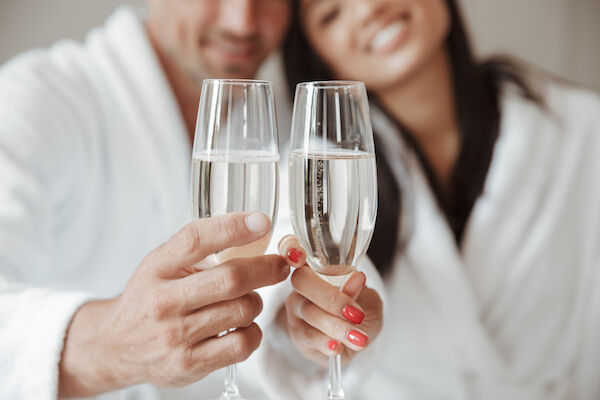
[[233, 69], [238, 72]]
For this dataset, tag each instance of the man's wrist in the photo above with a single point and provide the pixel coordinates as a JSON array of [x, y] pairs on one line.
[[86, 367]]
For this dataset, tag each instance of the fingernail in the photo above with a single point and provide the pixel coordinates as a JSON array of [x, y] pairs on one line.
[[257, 223], [294, 255], [332, 344], [364, 278], [357, 338], [353, 314]]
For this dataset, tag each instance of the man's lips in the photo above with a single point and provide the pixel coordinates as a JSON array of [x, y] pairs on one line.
[[233, 50]]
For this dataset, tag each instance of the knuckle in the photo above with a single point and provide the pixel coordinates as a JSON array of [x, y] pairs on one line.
[[162, 304], [243, 345], [291, 302], [339, 330], [304, 308], [289, 306], [244, 311], [332, 298], [277, 269], [170, 335], [231, 280], [190, 239], [296, 278], [228, 229], [185, 363], [311, 336], [255, 304], [148, 260]]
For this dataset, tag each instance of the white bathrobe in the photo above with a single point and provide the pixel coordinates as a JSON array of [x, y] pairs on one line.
[[94, 173], [514, 313]]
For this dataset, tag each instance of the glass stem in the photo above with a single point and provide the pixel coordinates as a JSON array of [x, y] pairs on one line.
[[231, 391], [335, 378]]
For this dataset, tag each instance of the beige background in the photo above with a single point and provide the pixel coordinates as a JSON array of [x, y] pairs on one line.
[[562, 36]]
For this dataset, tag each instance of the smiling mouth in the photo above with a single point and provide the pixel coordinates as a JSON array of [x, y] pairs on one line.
[[231, 47], [390, 36], [235, 50]]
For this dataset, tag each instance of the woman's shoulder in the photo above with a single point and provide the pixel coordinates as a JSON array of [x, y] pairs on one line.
[[575, 109], [573, 103]]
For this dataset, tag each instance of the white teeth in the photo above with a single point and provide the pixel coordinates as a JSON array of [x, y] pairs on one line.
[[386, 35]]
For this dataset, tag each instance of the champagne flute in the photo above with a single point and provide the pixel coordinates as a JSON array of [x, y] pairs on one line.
[[235, 165], [333, 183]]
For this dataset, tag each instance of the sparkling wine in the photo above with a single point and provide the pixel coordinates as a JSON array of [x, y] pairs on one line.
[[333, 202], [235, 181]]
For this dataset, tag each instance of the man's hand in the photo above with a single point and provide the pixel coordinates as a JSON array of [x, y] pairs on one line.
[[163, 328]]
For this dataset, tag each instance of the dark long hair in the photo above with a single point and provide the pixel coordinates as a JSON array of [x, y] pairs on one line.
[[476, 94]]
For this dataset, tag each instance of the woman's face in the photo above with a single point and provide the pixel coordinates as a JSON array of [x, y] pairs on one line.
[[379, 42]]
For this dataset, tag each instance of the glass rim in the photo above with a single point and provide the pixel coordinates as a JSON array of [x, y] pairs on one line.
[[258, 82], [330, 84]]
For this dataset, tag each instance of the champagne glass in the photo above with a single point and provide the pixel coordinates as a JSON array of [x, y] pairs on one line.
[[333, 183], [235, 165]]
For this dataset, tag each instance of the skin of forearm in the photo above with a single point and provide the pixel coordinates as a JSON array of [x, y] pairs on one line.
[[85, 368]]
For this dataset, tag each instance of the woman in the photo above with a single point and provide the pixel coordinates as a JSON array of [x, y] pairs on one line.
[[493, 284]]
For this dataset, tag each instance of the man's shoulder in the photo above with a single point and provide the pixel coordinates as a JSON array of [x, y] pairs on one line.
[[65, 65], [47, 97]]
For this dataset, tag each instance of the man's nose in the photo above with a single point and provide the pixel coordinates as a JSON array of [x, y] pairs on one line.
[[239, 17]]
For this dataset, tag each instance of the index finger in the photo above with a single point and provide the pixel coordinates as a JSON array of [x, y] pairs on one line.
[[230, 280], [203, 237], [292, 251]]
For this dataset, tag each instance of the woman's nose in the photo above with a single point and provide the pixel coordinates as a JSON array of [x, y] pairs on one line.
[[366, 10]]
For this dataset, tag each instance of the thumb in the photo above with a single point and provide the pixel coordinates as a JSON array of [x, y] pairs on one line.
[[354, 284], [203, 237]]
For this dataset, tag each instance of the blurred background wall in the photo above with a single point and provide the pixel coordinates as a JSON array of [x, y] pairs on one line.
[[562, 36]]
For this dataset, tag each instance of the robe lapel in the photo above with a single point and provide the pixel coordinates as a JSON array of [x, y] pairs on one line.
[[156, 115], [436, 259]]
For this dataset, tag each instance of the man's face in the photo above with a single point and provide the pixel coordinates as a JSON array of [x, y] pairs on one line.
[[218, 38]]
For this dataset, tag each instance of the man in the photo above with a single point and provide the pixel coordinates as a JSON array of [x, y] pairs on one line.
[[94, 174]]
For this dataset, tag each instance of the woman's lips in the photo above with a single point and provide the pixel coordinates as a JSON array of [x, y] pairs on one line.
[[389, 37]]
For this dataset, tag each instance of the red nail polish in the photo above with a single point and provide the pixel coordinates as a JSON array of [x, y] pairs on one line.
[[332, 344], [353, 314], [357, 338], [294, 255]]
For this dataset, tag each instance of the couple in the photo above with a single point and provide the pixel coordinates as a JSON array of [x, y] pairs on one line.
[[485, 246]]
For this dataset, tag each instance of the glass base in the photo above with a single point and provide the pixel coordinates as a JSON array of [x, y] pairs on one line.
[[223, 396], [335, 280]]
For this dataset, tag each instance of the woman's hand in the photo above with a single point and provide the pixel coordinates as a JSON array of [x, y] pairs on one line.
[[320, 319]]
